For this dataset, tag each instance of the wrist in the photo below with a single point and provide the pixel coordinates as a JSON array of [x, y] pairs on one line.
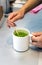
[[23, 10]]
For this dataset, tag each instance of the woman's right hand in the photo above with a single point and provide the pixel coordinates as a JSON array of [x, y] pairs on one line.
[[14, 16], [37, 39]]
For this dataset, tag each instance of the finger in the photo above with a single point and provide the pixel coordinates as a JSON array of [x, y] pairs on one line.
[[37, 33], [16, 18], [8, 26], [35, 44], [36, 39], [9, 21], [12, 15], [11, 24]]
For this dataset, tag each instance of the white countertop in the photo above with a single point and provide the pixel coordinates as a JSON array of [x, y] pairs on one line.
[[7, 54]]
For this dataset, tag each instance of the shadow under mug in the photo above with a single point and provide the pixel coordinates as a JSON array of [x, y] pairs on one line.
[[21, 44]]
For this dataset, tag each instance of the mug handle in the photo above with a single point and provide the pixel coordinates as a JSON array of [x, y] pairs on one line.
[[30, 38]]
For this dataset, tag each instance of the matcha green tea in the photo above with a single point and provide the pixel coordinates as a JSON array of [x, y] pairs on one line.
[[21, 33]]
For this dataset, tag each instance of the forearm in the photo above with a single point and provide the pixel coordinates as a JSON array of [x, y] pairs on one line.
[[30, 4]]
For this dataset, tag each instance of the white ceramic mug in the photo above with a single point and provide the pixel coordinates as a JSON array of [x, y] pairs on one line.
[[21, 43]]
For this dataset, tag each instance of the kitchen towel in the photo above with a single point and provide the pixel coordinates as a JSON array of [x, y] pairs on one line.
[[36, 9]]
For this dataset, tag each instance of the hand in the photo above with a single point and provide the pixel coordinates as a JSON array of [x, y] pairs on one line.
[[13, 17], [37, 39]]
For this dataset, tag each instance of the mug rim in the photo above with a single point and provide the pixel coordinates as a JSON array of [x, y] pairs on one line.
[[21, 29]]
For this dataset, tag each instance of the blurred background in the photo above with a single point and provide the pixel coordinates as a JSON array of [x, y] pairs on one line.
[[9, 5]]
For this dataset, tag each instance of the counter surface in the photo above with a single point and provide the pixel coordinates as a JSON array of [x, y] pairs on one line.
[[8, 56]]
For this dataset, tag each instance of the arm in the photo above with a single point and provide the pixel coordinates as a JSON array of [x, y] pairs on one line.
[[30, 4]]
